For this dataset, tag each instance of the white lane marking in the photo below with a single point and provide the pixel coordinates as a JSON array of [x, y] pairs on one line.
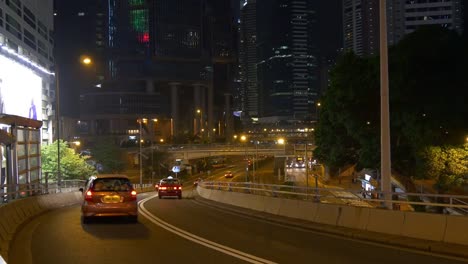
[[199, 240]]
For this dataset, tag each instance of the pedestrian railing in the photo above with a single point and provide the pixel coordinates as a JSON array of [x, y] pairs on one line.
[[413, 201], [10, 192]]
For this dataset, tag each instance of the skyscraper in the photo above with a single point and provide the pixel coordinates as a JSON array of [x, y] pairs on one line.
[[361, 20], [159, 58], [287, 64], [248, 59]]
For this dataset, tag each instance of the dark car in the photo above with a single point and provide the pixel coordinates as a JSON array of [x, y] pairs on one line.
[[109, 195], [170, 187]]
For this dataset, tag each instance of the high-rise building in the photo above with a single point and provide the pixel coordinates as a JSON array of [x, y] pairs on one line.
[[361, 20], [361, 26], [287, 64], [27, 119], [26, 62], [160, 58], [248, 59]]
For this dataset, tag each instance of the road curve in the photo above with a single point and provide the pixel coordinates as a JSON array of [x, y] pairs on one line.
[[187, 231]]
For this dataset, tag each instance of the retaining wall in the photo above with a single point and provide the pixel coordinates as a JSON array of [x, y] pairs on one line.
[[434, 227], [16, 213]]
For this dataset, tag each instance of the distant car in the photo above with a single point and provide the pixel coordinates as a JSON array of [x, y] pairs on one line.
[[170, 187], [109, 195], [228, 174]]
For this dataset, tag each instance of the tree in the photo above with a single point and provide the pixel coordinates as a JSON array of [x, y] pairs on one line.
[[427, 108], [107, 153], [72, 166], [448, 165]]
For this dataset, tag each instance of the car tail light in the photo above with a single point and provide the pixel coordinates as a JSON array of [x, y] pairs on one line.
[[89, 196], [180, 187], [133, 195], [156, 186], [163, 188]]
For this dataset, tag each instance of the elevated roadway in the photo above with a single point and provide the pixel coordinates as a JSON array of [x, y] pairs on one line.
[[192, 231]]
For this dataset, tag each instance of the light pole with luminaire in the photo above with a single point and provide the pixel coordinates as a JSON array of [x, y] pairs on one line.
[[385, 160], [85, 60], [282, 141], [243, 138]]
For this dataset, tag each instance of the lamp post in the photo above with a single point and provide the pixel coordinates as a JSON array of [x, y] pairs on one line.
[[87, 61], [282, 141], [243, 138], [57, 117], [140, 154], [385, 159], [155, 120]]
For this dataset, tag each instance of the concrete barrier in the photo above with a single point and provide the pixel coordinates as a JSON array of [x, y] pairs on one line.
[[386, 221], [354, 217], [328, 214], [16, 213], [272, 205], [456, 230], [432, 227], [425, 226]]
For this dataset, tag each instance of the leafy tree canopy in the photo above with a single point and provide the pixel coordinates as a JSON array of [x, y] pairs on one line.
[[428, 84], [72, 166]]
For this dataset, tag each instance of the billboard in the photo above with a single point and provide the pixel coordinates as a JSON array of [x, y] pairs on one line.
[[20, 90]]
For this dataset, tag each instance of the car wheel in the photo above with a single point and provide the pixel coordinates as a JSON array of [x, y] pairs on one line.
[[85, 220], [180, 196], [159, 196]]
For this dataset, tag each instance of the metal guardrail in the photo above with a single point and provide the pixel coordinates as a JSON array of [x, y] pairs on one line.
[[343, 196], [10, 192]]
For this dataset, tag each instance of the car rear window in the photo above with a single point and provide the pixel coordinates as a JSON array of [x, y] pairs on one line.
[[170, 181], [111, 184]]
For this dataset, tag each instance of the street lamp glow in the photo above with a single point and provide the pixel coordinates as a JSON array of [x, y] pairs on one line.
[[235, 136], [243, 138], [77, 143], [161, 140], [198, 111], [319, 104], [281, 141], [86, 60]]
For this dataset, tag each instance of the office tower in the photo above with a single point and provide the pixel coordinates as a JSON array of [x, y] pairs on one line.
[[248, 59], [287, 64], [361, 21], [160, 58]]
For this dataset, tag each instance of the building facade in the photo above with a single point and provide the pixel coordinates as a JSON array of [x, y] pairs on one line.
[[287, 66], [160, 59], [26, 90], [361, 21]]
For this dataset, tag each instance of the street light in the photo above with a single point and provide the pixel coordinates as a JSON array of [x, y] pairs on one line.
[[140, 154], [243, 138], [155, 120], [85, 60], [282, 141]]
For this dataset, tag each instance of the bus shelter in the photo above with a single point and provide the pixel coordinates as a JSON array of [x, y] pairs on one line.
[[20, 140]]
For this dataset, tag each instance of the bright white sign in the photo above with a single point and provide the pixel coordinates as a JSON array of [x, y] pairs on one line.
[[20, 90]]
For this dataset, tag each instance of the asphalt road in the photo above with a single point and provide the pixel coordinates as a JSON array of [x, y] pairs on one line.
[[188, 231]]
